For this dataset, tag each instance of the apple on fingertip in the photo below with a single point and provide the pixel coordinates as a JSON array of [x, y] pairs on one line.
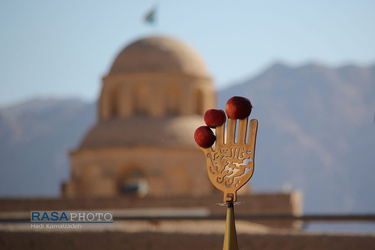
[[214, 118], [238, 107], [204, 137]]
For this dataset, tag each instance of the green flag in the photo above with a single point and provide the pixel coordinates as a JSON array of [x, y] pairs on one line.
[[151, 16]]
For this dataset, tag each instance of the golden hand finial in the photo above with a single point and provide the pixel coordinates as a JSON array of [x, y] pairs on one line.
[[230, 161]]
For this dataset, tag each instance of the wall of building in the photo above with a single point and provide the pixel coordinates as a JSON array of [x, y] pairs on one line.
[[156, 241], [166, 171]]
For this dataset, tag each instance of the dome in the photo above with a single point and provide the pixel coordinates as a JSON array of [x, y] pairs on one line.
[[159, 54], [143, 131]]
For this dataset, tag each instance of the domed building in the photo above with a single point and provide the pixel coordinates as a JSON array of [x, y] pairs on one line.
[[151, 102], [142, 145]]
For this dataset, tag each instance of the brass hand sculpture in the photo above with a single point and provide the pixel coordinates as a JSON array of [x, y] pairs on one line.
[[230, 162], [229, 155]]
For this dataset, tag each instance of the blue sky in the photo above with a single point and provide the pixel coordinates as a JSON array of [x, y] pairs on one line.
[[63, 48]]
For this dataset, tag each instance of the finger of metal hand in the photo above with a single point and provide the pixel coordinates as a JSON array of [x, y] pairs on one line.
[[253, 132], [231, 131], [220, 135], [242, 130]]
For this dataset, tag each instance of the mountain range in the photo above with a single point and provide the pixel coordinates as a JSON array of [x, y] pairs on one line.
[[316, 134], [35, 139]]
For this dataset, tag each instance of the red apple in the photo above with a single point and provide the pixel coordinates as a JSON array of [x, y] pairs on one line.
[[238, 107], [204, 137], [214, 117]]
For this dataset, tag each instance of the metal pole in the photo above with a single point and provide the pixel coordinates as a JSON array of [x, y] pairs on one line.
[[230, 238]]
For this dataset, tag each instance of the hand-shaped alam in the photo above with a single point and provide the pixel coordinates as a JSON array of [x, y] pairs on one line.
[[230, 161]]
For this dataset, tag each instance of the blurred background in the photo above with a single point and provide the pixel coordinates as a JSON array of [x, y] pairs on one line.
[[308, 68]]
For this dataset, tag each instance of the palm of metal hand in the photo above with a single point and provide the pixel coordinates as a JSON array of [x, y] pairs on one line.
[[230, 163]]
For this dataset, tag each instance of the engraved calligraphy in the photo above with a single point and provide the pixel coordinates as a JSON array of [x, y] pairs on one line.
[[229, 165]]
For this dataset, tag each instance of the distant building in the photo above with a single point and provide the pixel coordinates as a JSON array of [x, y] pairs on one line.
[[140, 161], [141, 152], [151, 102]]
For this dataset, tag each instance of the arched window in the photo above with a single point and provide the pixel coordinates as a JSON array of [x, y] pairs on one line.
[[198, 102], [172, 100], [113, 103], [134, 183], [109, 101], [141, 98]]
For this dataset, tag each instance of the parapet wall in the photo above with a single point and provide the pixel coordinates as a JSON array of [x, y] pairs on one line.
[[266, 203], [254, 204]]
